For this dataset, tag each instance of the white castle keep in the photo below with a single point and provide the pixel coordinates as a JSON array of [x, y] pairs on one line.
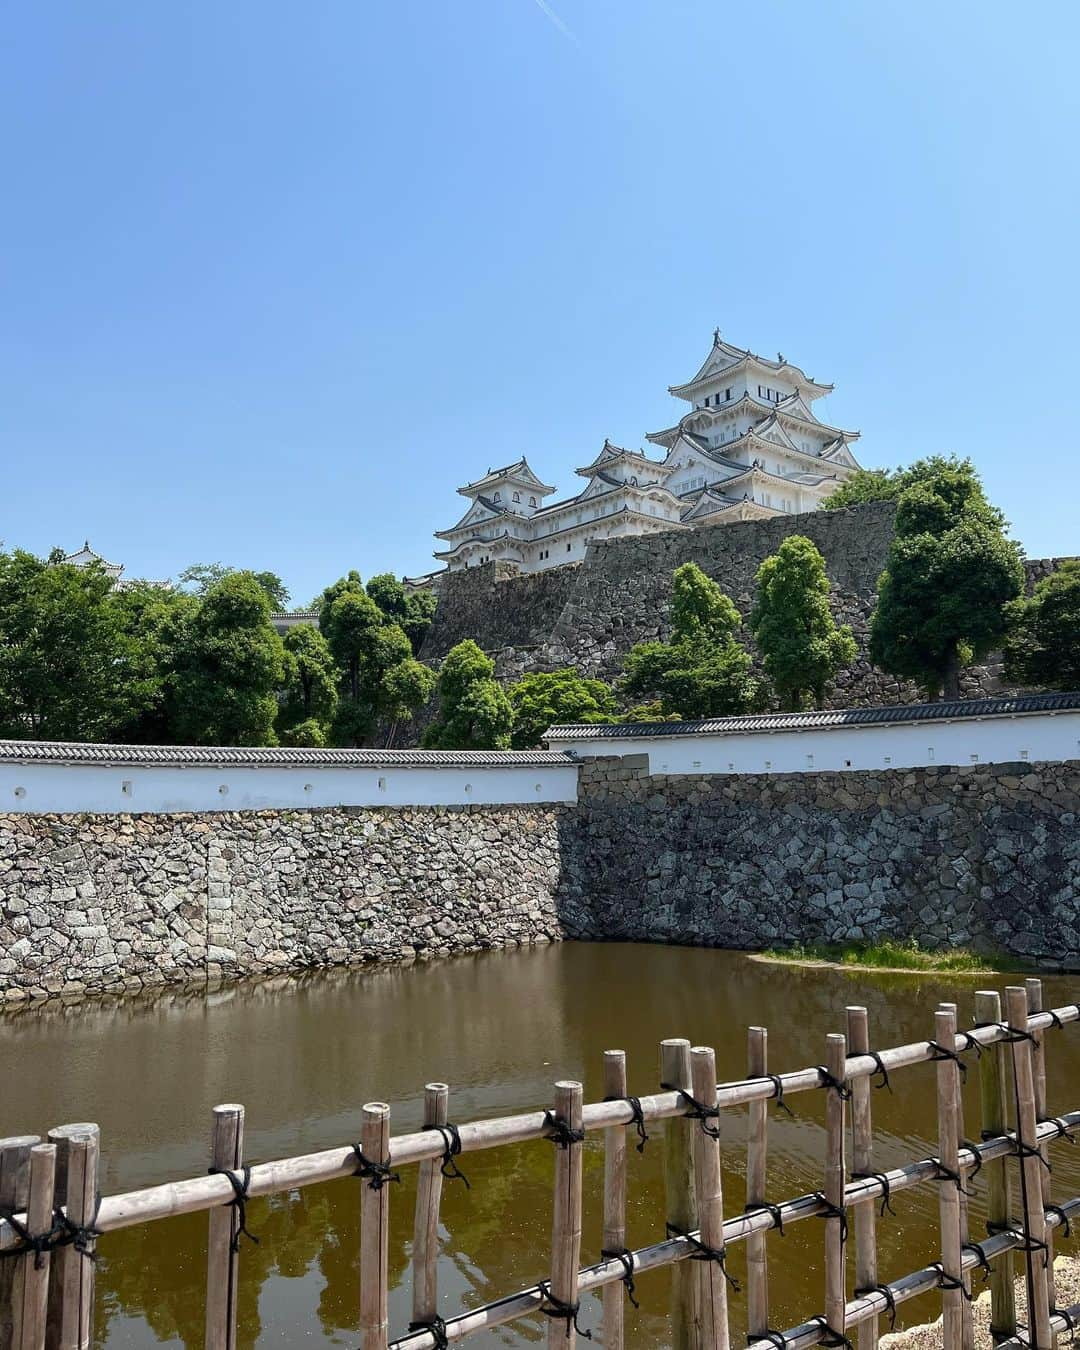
[[750, 447]]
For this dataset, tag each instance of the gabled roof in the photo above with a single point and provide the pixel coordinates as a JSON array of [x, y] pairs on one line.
[[249, 757], [85, 557], [813, 721], [518, 472], [708, 503], [726, 357], [500, 541], [612, 454]]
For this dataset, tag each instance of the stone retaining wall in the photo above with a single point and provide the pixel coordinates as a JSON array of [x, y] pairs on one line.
[[986, 856], [108, 902]]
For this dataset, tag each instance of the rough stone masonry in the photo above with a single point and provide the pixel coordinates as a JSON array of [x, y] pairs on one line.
[[986, 856]]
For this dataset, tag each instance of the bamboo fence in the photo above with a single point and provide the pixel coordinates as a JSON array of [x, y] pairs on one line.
[[51, 1216]]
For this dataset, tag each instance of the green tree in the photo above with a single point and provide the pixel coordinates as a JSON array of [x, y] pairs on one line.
[[310, 734], [950, 574], [540, 700], [881, 485], [61, 647], [311, 678], [155, 621], [412, 611], [801, 645], [474, 712], [703, 671], [1043, 644], [200, 578], [230, 669], [380, 680]]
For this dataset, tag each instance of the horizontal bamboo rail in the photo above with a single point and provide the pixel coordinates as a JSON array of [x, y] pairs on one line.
[[172, 1198]]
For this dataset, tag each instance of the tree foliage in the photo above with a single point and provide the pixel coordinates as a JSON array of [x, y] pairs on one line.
[[155, 622], [61, 647], [538, 701], [888, 485], [412, 611], [950, 574], [474, 711], [230, 669], [801, 644], [380, 679], [310, 693], [703, 671], [200, 578], [1043, 644]]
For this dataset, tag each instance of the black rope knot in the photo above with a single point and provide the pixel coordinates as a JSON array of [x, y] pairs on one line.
[[637, 1119], [880, 1072], [79, 1236], [778, 1092], [775, 1211], [239, 1181], [776, 1338], [626, 1259], [1066, 1226], [1026, 1150], [451, 1138], [696, 1110], [886, 1293], [831, 1211], [1061, 1129], [567, 1312], [976, 1167], [560, 1132], [834, 1084], [436, 1326], [376, 1174], [982, 1261], [41, 1244], [830, 1336], [886, 1189], [943, 1173], [950, 1281], [703, 1252], [970, 1043], [939, 1051]]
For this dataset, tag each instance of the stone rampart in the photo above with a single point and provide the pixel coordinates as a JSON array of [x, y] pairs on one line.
[[984, 856], [590, 614]]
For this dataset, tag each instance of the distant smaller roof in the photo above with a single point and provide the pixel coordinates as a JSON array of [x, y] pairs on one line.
[[813, 721]]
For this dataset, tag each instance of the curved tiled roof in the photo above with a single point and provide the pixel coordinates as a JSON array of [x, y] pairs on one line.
[[814, 721], [258, 757]]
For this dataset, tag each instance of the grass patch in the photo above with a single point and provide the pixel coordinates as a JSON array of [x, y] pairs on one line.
[[890, 955]]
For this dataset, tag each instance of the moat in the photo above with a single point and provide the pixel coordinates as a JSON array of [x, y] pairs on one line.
[[303, 1055]]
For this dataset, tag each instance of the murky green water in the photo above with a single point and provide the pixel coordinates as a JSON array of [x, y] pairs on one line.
[[304, 1055]]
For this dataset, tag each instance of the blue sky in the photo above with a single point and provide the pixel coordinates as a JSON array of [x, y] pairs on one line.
[[278, 278]]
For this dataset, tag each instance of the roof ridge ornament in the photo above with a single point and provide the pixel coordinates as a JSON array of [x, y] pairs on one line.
[[716, 337]]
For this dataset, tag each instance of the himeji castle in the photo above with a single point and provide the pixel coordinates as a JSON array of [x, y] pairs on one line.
[[750, 446]]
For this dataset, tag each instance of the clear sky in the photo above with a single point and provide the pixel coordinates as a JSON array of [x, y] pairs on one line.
[[278, 278]]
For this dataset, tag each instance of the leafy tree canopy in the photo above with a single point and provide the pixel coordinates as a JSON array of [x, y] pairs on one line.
[[951, 572], [156, 623], [540, 700], [231, 667], [703, 671], [801, 644], [412, 611], [199, 578], [474, 712], [951, 477], [61, 647], [1043, 646], [311, 679]]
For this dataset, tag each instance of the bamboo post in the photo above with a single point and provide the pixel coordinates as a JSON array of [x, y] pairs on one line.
[[14, 1192], [566, 1220], [679, 1191], [429, 1182], [375, 1230], [32, 1308], [968, 1335], [862, 1163], [71, 1284], [1035, 1005], [712, 1281], [1030, 1169], [222, 1258], [757, 1268], [614, 1236], [993, 1105], [835, 1243], [948, 1094]]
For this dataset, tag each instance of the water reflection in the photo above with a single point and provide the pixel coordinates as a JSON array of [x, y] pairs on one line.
[[500, 1028]]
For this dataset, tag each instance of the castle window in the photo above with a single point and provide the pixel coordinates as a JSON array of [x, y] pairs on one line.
[[532, 501], [727, 395], [568, 548], [495, 498], [517, 496]]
